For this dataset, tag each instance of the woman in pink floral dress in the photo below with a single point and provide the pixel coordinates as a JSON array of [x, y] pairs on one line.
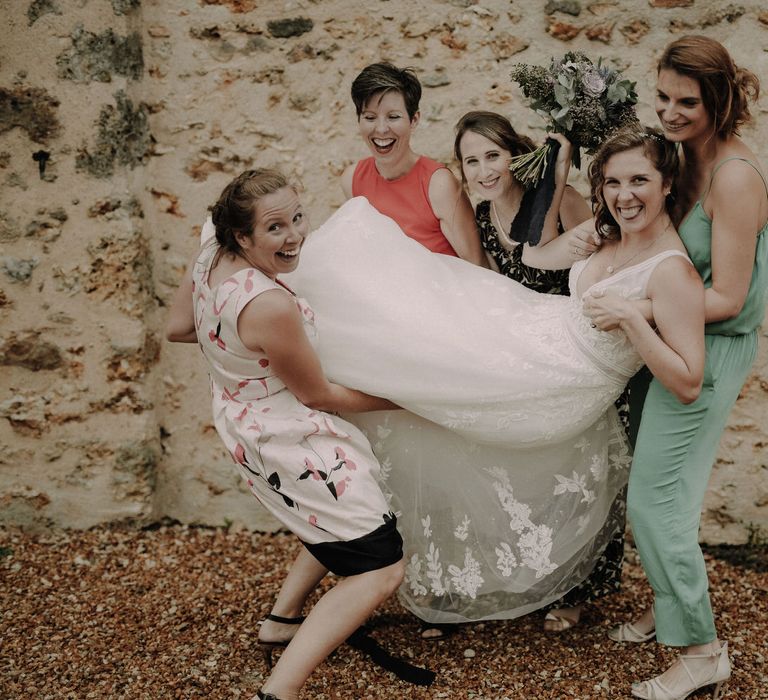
[[272, 408]]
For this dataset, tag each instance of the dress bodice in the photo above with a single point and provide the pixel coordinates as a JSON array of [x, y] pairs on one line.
[[455, 343], [510, 262], [237, 373], [696, 233], [405, 199], [611, 351]]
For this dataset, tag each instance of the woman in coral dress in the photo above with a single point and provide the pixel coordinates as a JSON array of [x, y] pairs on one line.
[[420, 194]]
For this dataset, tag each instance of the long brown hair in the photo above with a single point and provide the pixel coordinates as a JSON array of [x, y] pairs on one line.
[[494, 127], [726, 89], [662, 153]]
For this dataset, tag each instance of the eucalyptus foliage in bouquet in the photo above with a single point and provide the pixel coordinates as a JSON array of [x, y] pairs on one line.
[[584, 101]]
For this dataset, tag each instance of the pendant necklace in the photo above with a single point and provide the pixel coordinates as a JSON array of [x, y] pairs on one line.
[[613, 267]]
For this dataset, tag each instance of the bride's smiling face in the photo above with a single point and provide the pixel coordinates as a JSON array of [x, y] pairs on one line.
[[634, 190]]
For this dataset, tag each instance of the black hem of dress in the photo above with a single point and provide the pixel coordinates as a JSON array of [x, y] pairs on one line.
[[376, 550]]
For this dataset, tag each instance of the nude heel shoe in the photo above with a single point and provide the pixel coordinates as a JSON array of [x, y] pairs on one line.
[[627, 632], [654, 689]]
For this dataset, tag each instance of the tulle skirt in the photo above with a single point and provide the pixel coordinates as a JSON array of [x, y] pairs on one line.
[[504, 466]]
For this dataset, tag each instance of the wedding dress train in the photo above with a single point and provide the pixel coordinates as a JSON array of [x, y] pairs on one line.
[[505, 464]]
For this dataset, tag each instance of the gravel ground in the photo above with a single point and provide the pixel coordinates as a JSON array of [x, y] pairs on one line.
[[172, 612]]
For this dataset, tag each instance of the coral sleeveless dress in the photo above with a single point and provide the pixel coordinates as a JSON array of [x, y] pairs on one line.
[[313, 471], [405, 199]]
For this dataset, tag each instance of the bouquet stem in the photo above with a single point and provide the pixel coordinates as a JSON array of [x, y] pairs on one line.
[[529, 168]]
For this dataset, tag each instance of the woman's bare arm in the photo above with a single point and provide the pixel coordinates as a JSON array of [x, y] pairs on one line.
[[457, 219], [737, 199], [675, 355], [180, 326], [271, 324], [573, 209]]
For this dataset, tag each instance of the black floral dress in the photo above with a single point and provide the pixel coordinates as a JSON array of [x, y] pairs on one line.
[[606, 576], [510, 262]]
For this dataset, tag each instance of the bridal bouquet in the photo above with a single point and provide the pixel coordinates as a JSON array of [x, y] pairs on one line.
[[580, 99]]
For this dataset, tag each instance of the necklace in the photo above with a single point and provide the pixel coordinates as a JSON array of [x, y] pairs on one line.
[[613, 267], [502, 230]]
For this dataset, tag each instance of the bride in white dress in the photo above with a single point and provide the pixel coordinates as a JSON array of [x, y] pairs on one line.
[[504, 466]]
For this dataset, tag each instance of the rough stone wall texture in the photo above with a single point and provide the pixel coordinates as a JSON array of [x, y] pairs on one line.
[[121, 120]]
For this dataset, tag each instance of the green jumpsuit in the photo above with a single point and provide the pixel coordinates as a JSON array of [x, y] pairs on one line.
[[677, 446]]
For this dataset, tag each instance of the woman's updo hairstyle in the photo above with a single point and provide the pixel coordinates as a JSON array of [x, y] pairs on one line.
[[726, 89], [235, 212], [662, 153]]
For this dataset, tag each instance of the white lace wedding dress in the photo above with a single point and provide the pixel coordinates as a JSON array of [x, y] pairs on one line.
[[504, 466]]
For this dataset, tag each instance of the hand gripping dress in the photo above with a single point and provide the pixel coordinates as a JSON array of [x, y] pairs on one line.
[[504, 466], [313, 471]]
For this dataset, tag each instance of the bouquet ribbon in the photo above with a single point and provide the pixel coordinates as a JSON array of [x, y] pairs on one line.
[[529, 220]]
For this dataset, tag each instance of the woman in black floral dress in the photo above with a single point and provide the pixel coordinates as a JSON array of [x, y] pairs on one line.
[[485, 143]]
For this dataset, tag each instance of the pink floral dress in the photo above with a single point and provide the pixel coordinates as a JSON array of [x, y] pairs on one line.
[[313, 471]]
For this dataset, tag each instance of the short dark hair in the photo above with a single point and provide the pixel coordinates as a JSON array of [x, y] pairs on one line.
[[495, 127], [662, 153], [726, 89], [382, 78], [235, 211]]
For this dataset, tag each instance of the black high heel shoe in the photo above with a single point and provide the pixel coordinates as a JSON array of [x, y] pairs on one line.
[[266, 696], [268, 647]]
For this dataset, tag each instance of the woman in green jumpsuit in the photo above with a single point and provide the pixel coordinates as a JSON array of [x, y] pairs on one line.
[[722, 206]]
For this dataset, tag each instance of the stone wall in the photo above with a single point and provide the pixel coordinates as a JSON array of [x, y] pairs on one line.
[[121, 120]]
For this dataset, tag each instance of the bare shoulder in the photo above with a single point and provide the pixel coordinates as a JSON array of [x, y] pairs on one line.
[[271, 306], [673, 276], [444, 189], [443, 178], [346, 179], [737, 198], [574, 208], [571, 195], [741, 171], [736, 174], [267, 318]]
